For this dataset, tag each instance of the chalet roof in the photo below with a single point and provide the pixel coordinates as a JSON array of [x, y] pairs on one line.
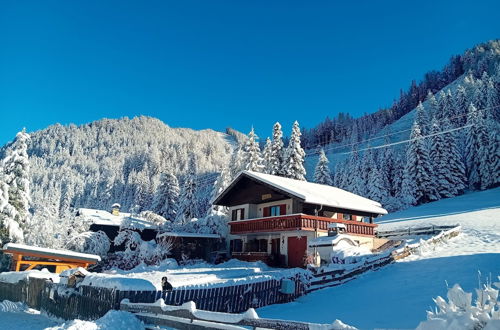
[[312, 193], [53, 253]]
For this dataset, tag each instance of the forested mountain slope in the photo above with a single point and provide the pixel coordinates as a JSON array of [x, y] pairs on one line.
[[117, 160]]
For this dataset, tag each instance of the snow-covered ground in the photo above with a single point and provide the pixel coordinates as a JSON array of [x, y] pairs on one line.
[[197, 275], [16, 316], [398, 295]]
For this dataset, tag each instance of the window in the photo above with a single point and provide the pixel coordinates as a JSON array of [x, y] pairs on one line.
[[346, 216], [238, 214], [275, 210]]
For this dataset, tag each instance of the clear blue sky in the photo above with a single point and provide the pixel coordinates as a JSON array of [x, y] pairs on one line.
[[213, 64]]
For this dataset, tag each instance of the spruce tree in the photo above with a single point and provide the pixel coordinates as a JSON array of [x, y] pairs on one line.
[[453, 160], [422, 118], [460, 105], [476, 150], [294, 156], [492, 100], [188, 204], [277, 152], [377, 189], [253, 157], [167, 196], [432, 105], [267, 157], [494, 153], [16, 167], [237, 163], [322, 173], [417, 183]]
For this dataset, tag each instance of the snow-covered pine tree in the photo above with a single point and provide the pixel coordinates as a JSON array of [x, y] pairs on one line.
[[432, 105], [480, 94], [366, 167], [417, 183], [294, 156], [492, 100], [476, 150], [267, 157], [167, 196], [188, 205], [277, 151], [377, 189], [237, 163], [440, 174], [322, 173], [494, 153], [422, 118], [445, 107], [253, 157], [16, 167], [9, 227], [353, 181], [460, 105], [453, 160]]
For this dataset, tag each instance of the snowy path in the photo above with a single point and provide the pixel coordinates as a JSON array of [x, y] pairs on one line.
[[399, 295]]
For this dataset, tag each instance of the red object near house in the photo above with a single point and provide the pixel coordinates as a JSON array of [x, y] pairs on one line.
[[297, 246]]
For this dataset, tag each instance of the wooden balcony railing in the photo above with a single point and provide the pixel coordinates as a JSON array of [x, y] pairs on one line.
[[298, 222]]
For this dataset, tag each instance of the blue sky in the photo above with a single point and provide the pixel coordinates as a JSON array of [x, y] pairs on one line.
[[213, 64]]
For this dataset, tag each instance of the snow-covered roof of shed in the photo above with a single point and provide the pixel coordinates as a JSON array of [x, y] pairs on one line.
[[315, 193], [21, 248], [101, 217]]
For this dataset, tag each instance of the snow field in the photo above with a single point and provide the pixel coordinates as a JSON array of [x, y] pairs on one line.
[[398, 296]]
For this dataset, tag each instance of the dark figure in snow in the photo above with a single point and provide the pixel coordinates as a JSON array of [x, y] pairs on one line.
[[165, 285]]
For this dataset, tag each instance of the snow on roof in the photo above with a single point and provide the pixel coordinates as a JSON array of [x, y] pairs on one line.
[[101, 217], [21, 248], [14, 277], [330, 240], [318, 194]]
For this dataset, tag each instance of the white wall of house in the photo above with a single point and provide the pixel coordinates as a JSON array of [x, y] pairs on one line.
[[250, 210]]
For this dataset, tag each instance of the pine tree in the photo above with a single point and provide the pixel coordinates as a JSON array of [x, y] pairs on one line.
[[167, 196], [453, 160], [253, 158], [422, 118], [267, 157], [294, 156], [377, 189], [16, 168], [277, 152], [237, 163], [432, 105], [494, 153], [322, 173], [460, 106], [445, 106], [353, 181], [441, 173], [492, 100], [188, 205], [476, 152], [417, 183]]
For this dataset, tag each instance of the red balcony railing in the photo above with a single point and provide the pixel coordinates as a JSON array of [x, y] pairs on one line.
[[298, 222]]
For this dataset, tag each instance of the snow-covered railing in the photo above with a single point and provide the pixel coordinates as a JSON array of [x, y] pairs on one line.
[[188, 315], [298, 222], [334, 275], [413, 231]]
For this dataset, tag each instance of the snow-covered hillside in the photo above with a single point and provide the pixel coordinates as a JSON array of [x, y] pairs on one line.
[[398, 295], [117, 160]]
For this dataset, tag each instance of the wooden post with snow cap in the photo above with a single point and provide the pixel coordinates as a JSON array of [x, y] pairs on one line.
[[188, 317]]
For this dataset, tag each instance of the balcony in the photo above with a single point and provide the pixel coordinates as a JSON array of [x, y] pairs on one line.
[[298, 222]]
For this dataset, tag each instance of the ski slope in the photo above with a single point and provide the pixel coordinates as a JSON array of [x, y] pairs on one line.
[[398, 295]]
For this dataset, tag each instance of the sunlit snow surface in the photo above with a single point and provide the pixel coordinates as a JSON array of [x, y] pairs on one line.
[[398, 295]]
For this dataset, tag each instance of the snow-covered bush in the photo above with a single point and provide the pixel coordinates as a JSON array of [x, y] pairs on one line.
[[152, 218], [138, 251], [460, 313], [215, 222], [90, 242]]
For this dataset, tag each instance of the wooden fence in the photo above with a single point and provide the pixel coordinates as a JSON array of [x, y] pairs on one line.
[[412, 231], [88, 303]]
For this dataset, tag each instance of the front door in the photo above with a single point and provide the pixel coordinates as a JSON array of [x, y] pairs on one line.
[[297, 246]]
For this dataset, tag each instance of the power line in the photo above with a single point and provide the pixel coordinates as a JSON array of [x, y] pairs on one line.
[[387, 135]]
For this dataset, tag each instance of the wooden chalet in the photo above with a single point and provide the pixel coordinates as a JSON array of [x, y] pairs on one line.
[[272, 218]]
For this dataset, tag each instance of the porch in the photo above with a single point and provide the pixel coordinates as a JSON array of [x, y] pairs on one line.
[[298, 222]]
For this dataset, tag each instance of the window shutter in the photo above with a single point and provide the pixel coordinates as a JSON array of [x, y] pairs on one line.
[[267, 211], [282, 209]]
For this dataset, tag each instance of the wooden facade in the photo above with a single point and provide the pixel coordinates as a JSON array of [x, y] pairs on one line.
[[273, 224]]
